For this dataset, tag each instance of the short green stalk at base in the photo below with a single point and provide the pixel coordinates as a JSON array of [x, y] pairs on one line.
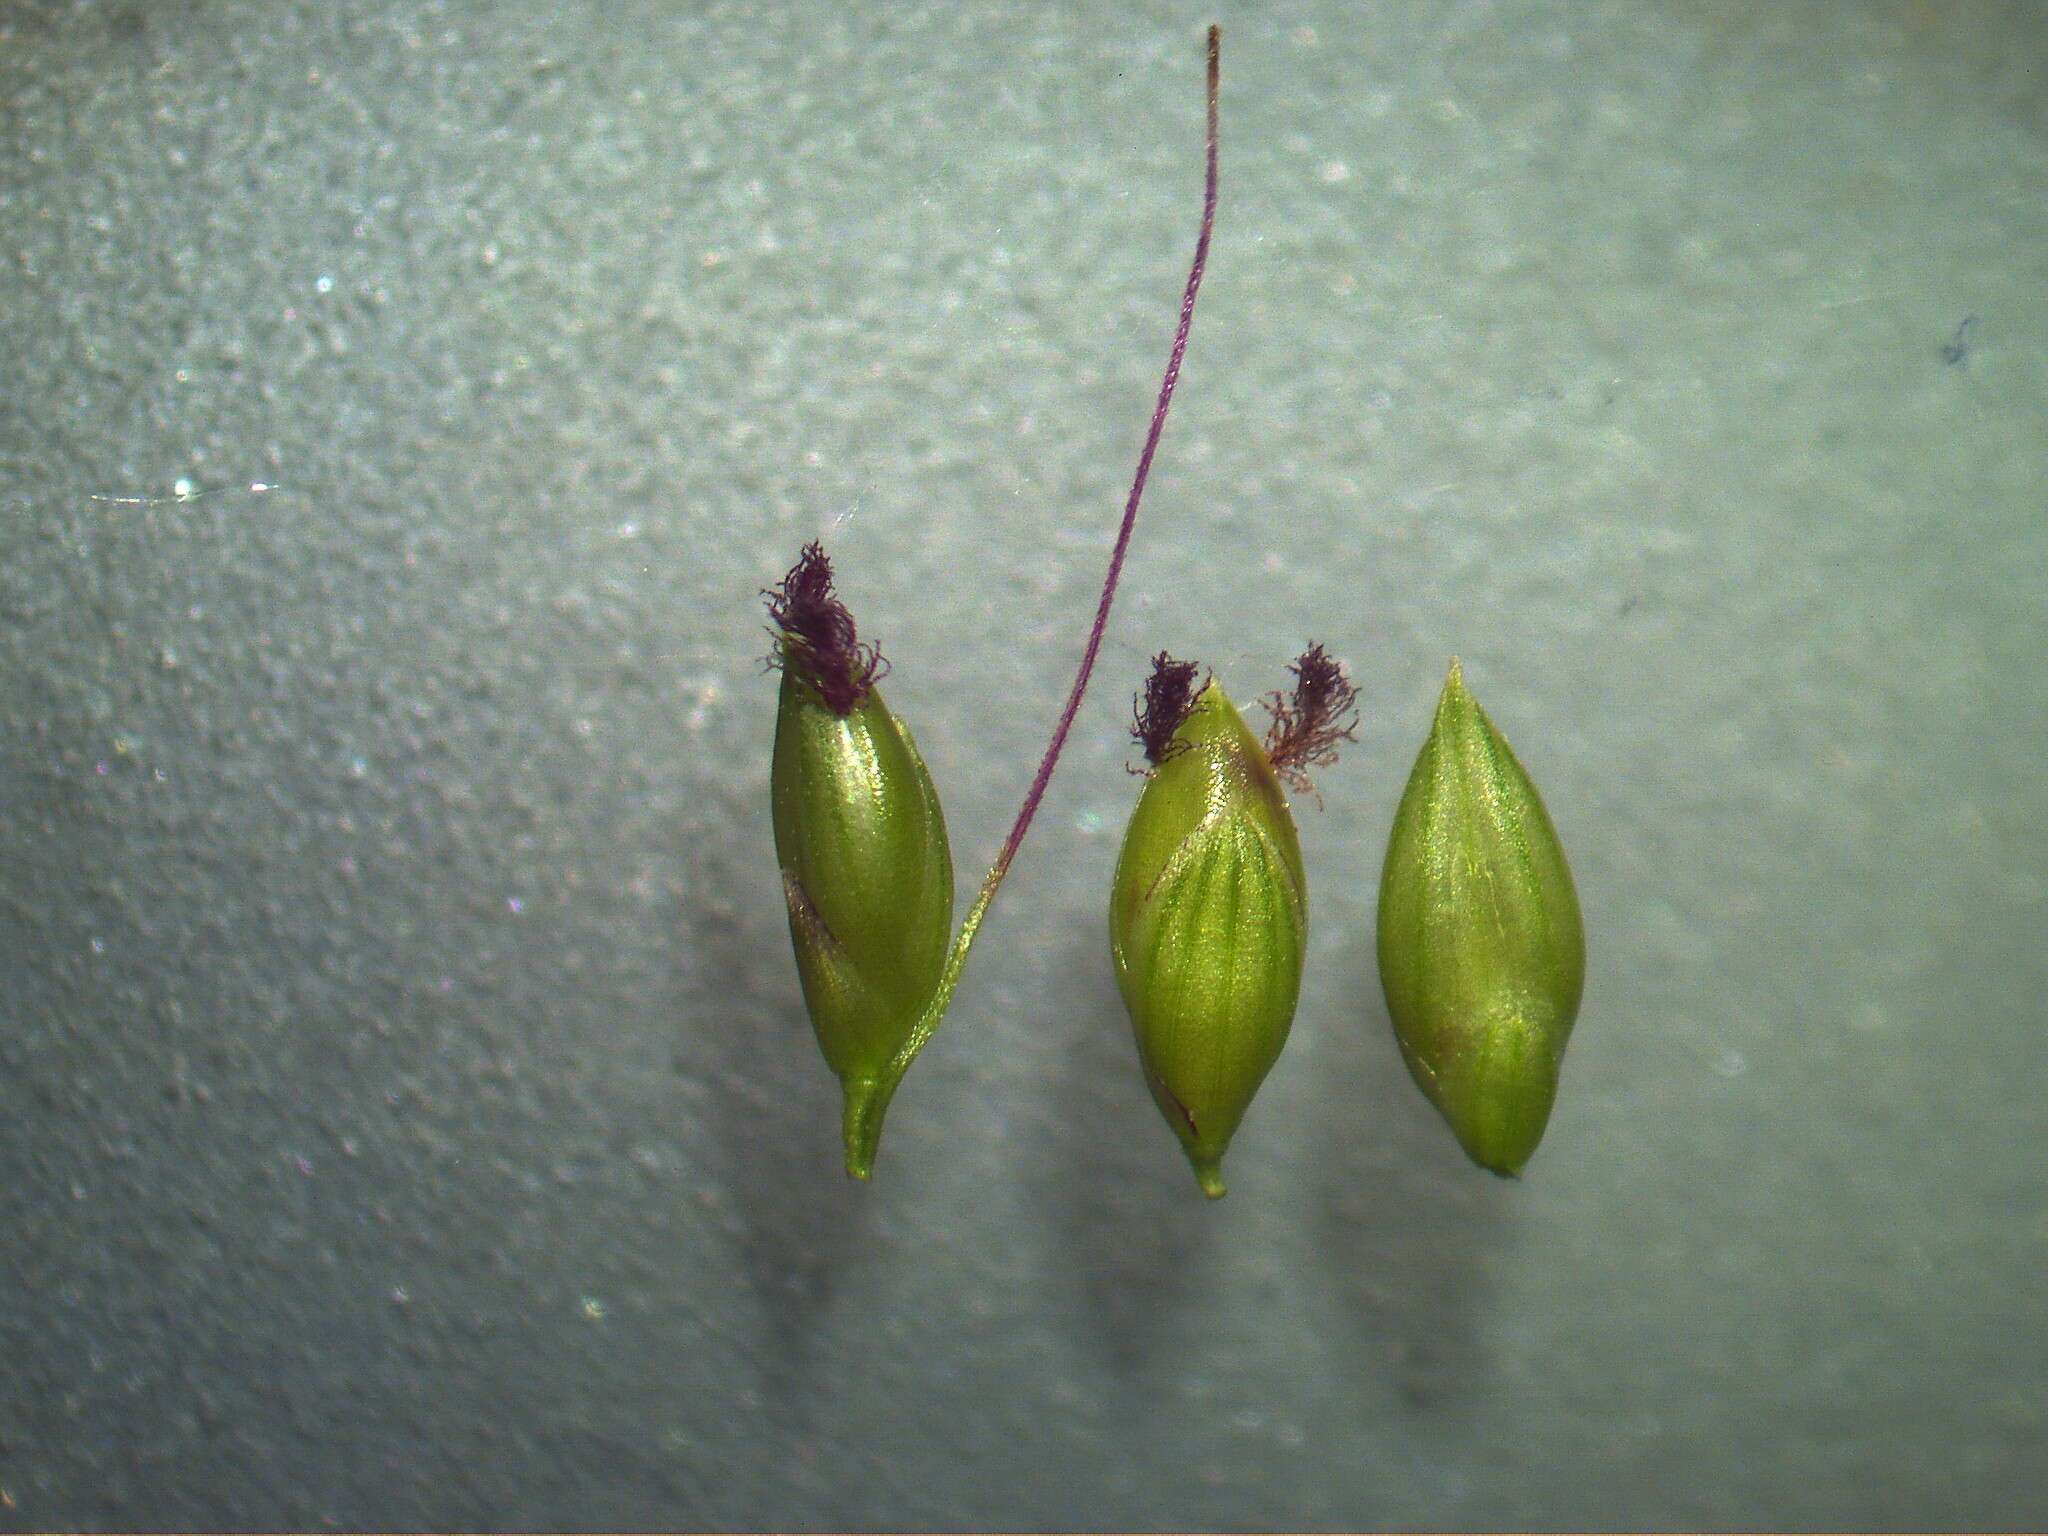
[[867, 1102], [862, 844], [1482, 952]]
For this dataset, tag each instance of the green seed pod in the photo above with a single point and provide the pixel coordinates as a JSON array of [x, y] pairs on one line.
[[1482, 954], [866, 869], [1208, 921]]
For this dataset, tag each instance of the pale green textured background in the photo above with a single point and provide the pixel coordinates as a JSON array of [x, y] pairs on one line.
[[407, 1113]]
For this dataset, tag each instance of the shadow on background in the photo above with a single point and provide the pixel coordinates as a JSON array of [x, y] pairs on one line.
[[773, 1107], [1122, 1192], [1413, 1232]]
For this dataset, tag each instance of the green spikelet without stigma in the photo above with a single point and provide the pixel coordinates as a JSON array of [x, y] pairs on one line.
[[1481, 950]]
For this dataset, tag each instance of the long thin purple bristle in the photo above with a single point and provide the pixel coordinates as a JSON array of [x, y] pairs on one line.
[[1123, 534]]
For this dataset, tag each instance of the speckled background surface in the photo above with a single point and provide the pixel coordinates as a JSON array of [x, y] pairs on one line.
[[407, 1112]]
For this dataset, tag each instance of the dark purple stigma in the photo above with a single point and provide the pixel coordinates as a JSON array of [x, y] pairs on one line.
[[1307, 727], [1168, 699], [815, 634]]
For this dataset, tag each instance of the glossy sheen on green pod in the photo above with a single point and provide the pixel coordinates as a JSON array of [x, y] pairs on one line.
[[867, 874], [1481, 950], [1208, 926]]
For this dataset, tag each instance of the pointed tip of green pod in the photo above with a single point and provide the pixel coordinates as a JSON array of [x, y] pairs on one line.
[[1209, 1174], [867, 1101], [1481, 945], [1499, 1106], [1203, 1147]]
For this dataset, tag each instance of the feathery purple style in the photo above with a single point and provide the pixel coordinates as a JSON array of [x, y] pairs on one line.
[[1307, 727], [814, 633], [1168, 699]]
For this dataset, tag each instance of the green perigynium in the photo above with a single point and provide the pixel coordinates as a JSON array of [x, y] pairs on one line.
[[1208, 917], [1481, 950], [866, 870]]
